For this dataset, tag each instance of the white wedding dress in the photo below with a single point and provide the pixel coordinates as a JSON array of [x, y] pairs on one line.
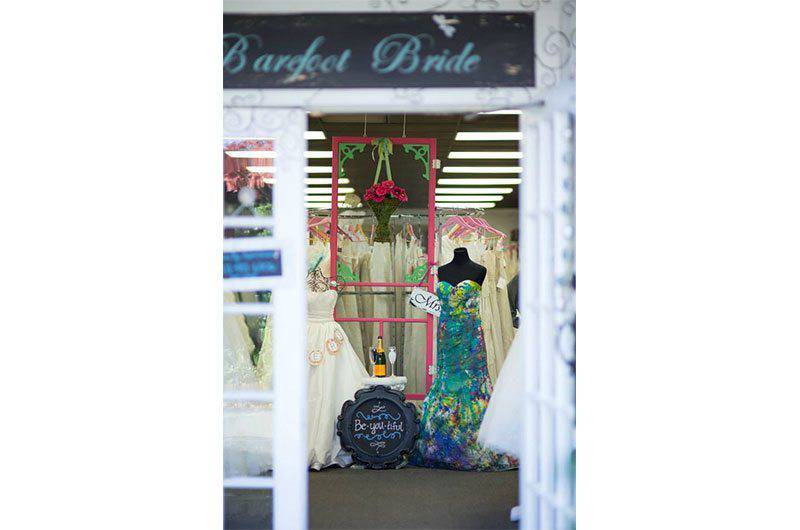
[[247, 427], [336, 372], [501, 429]]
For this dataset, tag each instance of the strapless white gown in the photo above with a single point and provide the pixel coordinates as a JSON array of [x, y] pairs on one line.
[[501, 428], [335, 374]]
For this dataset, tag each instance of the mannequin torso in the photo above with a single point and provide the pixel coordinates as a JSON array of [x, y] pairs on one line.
[[462, 268]]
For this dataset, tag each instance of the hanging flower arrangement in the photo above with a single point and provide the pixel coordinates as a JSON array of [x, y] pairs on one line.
[[383, 198], [385, 190], [238, 179], [235, 174]]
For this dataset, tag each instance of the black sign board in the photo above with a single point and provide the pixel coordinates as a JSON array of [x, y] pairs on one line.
[[251, 264], [378, 50], [378, 428]]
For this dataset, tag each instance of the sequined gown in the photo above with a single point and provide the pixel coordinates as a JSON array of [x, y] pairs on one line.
[[456, 402]]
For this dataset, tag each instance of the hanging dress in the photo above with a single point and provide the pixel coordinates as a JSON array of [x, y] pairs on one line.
[[455, 404], [506, 319], [335, 373], [399, 253], [501, 429], [247, 427], [347, 304], [414, 337], [366, 301], [490, 317], [380, 271]]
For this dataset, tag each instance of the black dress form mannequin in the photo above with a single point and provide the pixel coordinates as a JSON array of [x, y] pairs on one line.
[[461, 268]]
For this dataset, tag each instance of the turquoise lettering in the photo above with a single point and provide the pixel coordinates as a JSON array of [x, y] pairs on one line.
[[437, 61], [464, 58], [402, 53], [328, 64], [235, 54], [307, 62], [341, 64], [301, 60], [398, 52], [313, 63], [262, 63], [471, 64], [282, 60]]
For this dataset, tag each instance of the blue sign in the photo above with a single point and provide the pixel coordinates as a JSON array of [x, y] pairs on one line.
[[378, 50], [251, 264]]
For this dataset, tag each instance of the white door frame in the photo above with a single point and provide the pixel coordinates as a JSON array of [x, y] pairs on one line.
[[547, 498], [547, 236], [288, 307]]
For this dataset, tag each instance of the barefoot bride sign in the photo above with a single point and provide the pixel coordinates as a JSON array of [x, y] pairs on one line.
[[378, 50]]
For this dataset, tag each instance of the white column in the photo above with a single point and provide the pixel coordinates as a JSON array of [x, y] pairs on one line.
[[546, 331], [289, 300], [529, 316], [564, 234]]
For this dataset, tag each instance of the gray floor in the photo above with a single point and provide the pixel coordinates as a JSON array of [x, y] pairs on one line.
[[410, 498]]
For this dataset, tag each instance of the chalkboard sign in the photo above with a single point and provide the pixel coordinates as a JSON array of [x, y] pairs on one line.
[[251, 264], [378, 50], [378, 428]]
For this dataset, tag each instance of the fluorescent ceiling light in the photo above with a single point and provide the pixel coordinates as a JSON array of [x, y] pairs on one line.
[[307, 169], [503, 111], [462, 198], [465, 205], [314, 135], [319, 154], [482, 169], [318, 169], [323, 180], [328, 191], [477, 136], [250, 154], [478, 155], [499, 181], [472, 191]]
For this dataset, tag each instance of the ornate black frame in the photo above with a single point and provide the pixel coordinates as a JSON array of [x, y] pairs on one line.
[[410, 417]]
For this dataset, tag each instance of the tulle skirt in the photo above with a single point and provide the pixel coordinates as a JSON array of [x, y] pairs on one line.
[[501, 429], [335, 374], [247, 439]]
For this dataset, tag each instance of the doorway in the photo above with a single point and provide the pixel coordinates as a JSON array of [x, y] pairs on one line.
[[331, 487]]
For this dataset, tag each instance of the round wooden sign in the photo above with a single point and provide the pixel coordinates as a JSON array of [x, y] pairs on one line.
[[378, 428]]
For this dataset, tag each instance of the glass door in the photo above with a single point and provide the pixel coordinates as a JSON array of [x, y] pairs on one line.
[[547, 323], [264, 248]]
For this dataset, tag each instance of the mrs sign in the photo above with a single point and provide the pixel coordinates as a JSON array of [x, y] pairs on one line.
[[378, 428]]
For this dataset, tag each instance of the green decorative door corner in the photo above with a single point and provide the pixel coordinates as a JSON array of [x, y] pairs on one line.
[[347, 151], [421, 152]]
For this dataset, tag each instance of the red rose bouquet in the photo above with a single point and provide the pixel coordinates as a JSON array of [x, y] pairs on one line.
[[383, 199]]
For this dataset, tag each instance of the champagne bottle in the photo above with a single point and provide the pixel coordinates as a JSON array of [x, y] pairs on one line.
[[380, 359]]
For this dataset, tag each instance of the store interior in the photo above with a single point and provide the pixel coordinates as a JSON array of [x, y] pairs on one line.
[[450, 479]]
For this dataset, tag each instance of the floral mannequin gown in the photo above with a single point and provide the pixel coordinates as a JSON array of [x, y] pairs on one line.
[[455, 404]]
